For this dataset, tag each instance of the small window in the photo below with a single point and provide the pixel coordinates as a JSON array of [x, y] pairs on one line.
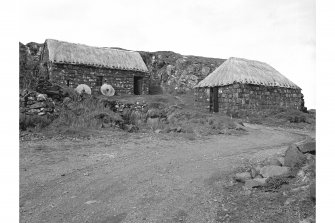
[[99, 80]]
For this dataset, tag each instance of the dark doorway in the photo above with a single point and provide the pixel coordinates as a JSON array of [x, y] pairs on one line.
[[138, 81], [99, 81], [214, 99]]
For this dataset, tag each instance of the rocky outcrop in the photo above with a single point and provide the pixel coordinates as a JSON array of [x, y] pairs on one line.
[[173, 72], [29, 64]]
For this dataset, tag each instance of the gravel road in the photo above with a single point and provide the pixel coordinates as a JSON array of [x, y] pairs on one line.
[[122, 177]]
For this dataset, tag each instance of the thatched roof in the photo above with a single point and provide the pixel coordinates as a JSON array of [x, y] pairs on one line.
[[238, 70], [71, 53]]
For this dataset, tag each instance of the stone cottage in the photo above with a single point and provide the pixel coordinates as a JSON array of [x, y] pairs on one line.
[[240, 87], [73, 64]]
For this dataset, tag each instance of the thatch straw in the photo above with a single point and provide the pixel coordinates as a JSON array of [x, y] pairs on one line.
[[238, 70], [64, 52]]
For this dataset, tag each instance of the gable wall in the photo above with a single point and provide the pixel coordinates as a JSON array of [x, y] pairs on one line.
[[244, 99], [121, 80]]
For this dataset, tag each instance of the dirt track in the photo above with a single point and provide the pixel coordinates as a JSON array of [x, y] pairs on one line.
[[120, 177]]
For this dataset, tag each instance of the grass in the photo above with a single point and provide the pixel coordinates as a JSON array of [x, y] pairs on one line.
[[34, 121], [167, 113], [286, 118], [88, 113]]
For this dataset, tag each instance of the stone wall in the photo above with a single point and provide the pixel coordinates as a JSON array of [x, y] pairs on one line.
[[121, 80], [244, 99], [34, 103]]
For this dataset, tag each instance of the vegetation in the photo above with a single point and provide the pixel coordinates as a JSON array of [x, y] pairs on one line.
[[286, 118], [86, 113]]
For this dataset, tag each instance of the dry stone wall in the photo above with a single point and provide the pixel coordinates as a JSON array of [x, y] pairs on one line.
[[244, 99], [34, 103], [121, 80]]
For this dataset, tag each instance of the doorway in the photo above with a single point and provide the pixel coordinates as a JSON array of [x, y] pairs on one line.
[[138, 81], [214, 99]]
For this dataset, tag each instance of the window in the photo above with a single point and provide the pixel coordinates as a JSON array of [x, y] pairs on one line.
[[99, 81], [68, 83]]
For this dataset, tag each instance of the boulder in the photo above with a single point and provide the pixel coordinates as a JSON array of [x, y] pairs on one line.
[[253, 172], [242, 177], [41, 97], [271, 171], [260, 180], [308, 147], [294, 157]]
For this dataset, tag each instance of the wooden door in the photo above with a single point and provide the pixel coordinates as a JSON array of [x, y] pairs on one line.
[[138, 85], [214, 99]]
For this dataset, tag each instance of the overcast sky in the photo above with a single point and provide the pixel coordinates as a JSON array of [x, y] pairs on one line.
[[278, 32]]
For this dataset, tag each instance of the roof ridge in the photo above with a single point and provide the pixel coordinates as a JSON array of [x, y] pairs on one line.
[[99, 47]]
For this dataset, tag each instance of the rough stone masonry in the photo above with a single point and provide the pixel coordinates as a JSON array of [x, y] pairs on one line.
[[121, 80], [243, 99]]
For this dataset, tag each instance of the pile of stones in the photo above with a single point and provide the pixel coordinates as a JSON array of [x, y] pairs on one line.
[[34, 103], [297, 157]]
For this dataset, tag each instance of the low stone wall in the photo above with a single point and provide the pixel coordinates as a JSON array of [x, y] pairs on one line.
[[34, 103], [243, 99], [121, 80]]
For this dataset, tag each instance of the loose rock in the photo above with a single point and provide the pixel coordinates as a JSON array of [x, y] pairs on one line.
[[293, 157], [271, 171], [260, 180], [308, 147], [242, 177], [253, 172]]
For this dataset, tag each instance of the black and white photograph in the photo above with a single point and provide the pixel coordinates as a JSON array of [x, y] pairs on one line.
[[166, 111]]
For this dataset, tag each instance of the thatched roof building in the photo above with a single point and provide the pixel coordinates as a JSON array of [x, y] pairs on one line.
[[239, 70], [71, 53], [241, 86], [74, 64]]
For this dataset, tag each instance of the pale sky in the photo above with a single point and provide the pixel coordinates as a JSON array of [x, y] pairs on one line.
[[278, 32]]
